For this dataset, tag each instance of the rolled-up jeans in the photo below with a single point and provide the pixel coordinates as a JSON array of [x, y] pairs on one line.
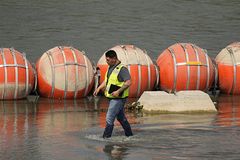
[[116, 110]]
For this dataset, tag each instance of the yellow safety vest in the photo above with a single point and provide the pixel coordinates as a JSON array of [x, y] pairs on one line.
[[113, 80]]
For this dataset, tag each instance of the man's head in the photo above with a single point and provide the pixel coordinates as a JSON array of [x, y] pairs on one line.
[[111, 57]]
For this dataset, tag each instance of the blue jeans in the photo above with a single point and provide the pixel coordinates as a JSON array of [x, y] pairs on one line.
[[116, 110]]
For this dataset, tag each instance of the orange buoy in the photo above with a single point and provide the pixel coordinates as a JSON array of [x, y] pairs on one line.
[[185, 66], [228, 61], [64, 72], [142, 70], [16, 74]]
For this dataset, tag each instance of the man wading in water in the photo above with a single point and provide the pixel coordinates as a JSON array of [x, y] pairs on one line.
[[116, 83]]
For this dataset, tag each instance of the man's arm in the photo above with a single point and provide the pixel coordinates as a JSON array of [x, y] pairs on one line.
[[126, 84], [101, 87]]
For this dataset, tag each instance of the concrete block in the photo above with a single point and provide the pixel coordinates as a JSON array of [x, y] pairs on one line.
[[182, 101]]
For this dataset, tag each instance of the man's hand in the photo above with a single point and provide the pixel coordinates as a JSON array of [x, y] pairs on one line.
[[102, 86], [95, 93], [115, 93], [120, 90]]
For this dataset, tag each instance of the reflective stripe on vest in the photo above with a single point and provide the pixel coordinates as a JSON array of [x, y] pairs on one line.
[[113, 80]]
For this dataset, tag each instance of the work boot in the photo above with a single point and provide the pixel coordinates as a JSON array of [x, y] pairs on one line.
[[127, 128], [108, 131]]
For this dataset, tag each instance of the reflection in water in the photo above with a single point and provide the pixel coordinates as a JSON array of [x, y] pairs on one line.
[[30, 129], [228, 110], [68, 129], [43, 128], [17, 136], [45, 105], [19, 113], [17, 107], [115, 151]]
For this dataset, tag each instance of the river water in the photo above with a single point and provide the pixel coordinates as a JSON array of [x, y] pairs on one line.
[[43, 129], [33, 26], [72, 129]]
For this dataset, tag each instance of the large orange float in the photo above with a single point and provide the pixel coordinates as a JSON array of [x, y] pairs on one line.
[[185, 66], [228, 61], [143, 72], [16, 75], [64, 72]]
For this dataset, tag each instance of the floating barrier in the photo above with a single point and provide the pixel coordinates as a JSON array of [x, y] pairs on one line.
[[182, 101], [143, 72], [16, 75], [228, 61], [64, 72], [185, 66]]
